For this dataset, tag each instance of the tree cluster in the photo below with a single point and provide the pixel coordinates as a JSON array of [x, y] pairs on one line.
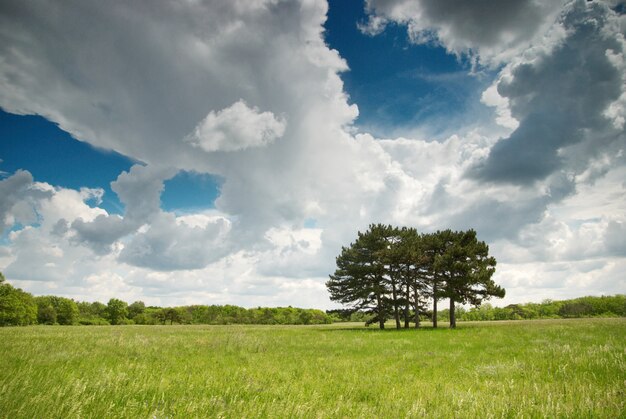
[[391, 272]]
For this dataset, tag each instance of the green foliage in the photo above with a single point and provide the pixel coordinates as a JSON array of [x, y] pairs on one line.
[[21, 308], [52, 309], [17, 308], [92, 313], [604, 306], [117, 311], [46, 313], [135, 309], [93, 321], [170, 314], [67, 311], [466, 269], [229, 314], [389, 271], [361, 279]]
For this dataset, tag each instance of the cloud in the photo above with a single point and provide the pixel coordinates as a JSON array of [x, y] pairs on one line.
[[137, 78], [237, 127], [560, 96], [101, 233], [489, 32], [18, 192], [170, 243], [615, 237], [140, 191]]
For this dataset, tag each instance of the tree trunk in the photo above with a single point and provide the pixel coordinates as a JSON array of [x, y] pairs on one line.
[[417, 310], [396, 313], [452, 315], [435, 302], [381, 317], [406, 307]]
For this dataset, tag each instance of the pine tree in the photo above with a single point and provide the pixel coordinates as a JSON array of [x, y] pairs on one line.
[[467, 268], [359, 279]]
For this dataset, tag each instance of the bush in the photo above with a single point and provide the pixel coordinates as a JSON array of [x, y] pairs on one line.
[[93, 321]]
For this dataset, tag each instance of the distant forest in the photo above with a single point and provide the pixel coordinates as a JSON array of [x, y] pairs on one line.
[[20, 308], [604, 306]]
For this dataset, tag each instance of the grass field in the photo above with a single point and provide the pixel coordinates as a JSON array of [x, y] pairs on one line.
[[553, 368]]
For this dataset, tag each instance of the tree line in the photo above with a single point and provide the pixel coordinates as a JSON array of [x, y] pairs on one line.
[[391, 272], [590, 306], [20, 308]]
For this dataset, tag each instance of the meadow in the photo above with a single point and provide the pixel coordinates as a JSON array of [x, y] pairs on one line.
[[553, 368]]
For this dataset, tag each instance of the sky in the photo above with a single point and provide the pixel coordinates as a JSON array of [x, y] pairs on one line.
[[213, 152]]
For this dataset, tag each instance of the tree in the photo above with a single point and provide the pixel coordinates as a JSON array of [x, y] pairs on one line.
[[392, 257], [17, 308], [117, 311], [46, 313], [415, 273], [136, 308], [170, 314], [434, 245], [67, 311], [467, 268], [359, 279], [52, 309], [92, 313]]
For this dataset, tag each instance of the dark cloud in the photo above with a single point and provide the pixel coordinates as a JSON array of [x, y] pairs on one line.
[[484, 29], [170, 245], [100, 233], [560, 98]]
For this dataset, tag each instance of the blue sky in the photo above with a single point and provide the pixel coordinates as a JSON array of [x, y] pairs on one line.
[[227, 153], [52, 155], [394, 82], [33, 143]]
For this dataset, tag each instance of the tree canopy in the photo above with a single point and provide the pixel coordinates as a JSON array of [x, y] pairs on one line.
[[389, 271], [17, 308]]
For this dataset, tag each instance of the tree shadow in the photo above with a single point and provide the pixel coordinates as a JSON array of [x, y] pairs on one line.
[[372, 329]]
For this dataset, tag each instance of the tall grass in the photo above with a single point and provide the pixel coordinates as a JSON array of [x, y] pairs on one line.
[[554, 368]]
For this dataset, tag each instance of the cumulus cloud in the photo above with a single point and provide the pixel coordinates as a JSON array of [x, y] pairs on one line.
[[139, 190], [488, 31], [170, 244], [18, 192], [138, 77], [236, 128], [561, 99], [101, 233]]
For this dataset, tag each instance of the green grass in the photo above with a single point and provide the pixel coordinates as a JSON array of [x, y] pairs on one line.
[[553, 368]]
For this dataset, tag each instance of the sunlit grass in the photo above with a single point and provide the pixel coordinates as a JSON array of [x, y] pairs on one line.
[[552, 368]]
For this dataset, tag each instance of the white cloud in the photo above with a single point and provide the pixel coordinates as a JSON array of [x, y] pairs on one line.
[[237, 127], [491, 97], [18, 194]]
